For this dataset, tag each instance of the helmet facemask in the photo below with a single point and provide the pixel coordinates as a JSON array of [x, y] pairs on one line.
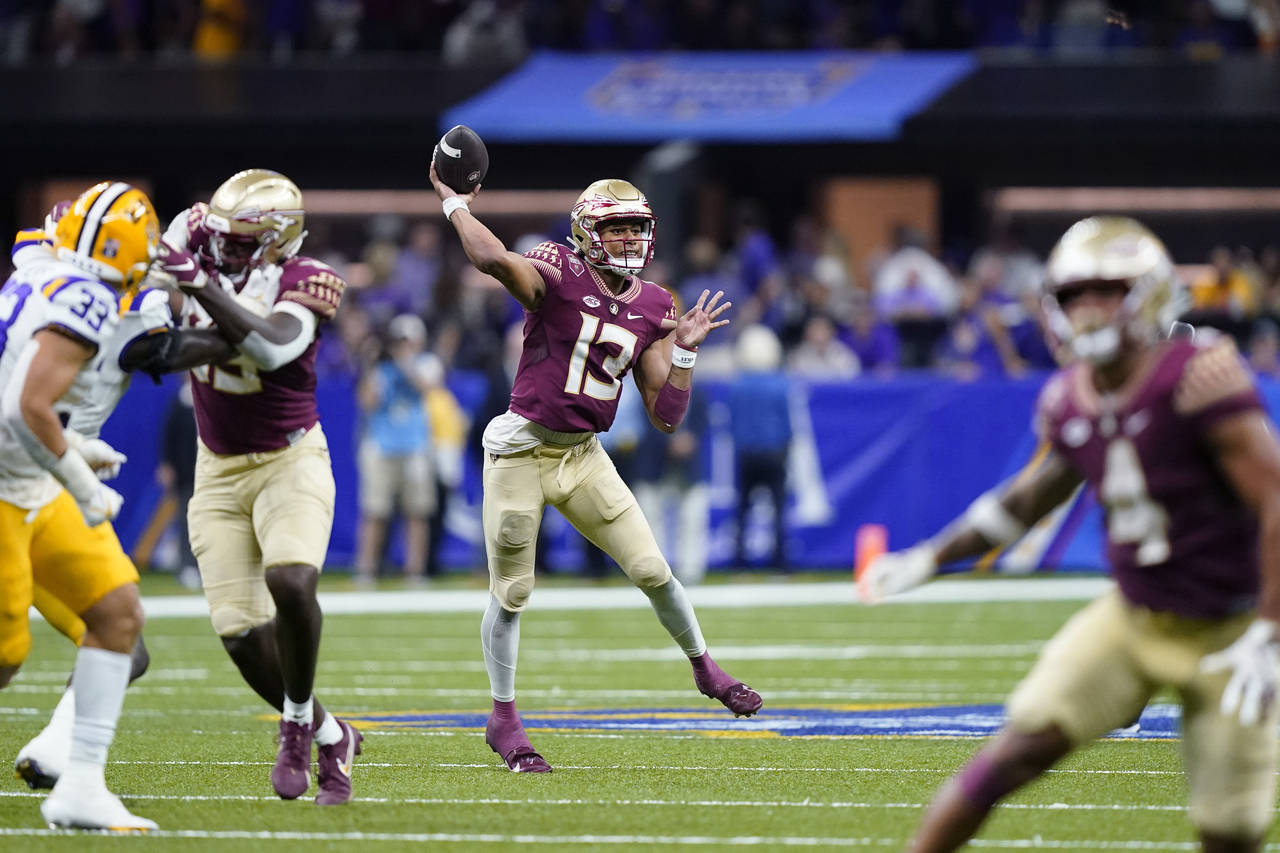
[[604, 203]]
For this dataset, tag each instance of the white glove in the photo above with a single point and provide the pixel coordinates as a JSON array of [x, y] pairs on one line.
[[895, 572], [104, 459], [1254, 662], [98, 502]]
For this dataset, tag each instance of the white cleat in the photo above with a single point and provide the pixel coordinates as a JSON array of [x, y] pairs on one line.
[[43, 760], [90, 806]]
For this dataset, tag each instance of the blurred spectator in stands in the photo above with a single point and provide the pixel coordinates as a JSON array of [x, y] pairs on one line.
[[759, 269], [626, 25], [704, 270], [1264, 349], [344, 350], [77, 27], [671, 473], [1090, 27], [873, 340], [821, 355], [449, 427], [177, 475], [912, 283], [487, 32], [410, 288], [1206, 37], [18, 19], [222, 30], [394, 459], [1269, 275], [979, 343], [336, 26], [1020, 268], [760, 422], [1224, 289]]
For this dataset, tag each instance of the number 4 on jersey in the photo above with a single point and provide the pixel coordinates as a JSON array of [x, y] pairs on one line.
[[1133, 516]]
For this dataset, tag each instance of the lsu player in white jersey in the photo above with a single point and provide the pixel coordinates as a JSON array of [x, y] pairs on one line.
[[57, 318], [145, 340]]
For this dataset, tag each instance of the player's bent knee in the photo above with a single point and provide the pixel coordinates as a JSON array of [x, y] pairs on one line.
[[7, 672], [139, 660], [232, 621], [649, 572], [516, 530], [517, 594]]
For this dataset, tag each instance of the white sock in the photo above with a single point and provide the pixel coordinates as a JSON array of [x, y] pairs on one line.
[[676, 615], [329, 732], [64, 713], [297, 712], [100, 678], [500, 640]]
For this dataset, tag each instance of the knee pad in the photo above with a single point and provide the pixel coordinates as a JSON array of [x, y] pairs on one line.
[[649, 572], [516, 530], [518, 592], [233, 619]]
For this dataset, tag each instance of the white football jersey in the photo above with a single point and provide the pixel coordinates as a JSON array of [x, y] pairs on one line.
[[45, 292]]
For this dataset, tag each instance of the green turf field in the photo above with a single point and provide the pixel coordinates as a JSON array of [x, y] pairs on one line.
[[194, 748]]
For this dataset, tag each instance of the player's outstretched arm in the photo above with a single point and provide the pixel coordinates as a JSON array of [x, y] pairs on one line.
[[1247, 453], [664, 371], [998, 517], [271, 341], [175, 350], [486, 252]]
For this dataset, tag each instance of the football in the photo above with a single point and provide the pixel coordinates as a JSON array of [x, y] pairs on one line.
[[460, 159]]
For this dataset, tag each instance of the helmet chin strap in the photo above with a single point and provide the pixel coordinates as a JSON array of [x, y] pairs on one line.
[[1098, 347]]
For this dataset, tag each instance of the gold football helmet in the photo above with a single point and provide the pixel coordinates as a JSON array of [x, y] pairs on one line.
[[256, 216], [112, 232], [1117, 251], [611, 199]]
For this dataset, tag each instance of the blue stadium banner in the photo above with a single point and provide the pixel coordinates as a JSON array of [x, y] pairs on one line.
[[728, 97]]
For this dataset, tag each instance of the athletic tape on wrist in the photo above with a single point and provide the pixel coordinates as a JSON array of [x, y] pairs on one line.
[[681, 357], [452, 204]]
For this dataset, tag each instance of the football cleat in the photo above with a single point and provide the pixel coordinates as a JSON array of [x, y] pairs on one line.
[[506, 737], [87, 804], [335, 761], [713, 682], [45, 757], [292, 772]]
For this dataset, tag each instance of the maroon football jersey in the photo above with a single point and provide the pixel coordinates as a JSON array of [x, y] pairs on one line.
[[1178, 537], [240, 409], [582, 341]]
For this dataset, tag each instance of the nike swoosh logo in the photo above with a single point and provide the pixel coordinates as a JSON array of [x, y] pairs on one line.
[[455, 153], [188, 264], [631, 316], [344, 769]]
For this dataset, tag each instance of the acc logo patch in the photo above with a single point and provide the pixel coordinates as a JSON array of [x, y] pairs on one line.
[[591, 301]]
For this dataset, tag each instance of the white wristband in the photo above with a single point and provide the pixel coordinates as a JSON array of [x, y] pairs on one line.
[[453, 204], [681, 357], [995, 523]]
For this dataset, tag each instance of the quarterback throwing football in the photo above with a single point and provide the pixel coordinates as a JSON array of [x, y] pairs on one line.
[[589, 320]]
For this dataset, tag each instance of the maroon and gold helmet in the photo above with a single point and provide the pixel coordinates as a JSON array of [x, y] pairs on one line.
[[603, 201], [255, 217]]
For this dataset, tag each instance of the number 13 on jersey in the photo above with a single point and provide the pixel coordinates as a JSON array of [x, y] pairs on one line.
[[579, 380]]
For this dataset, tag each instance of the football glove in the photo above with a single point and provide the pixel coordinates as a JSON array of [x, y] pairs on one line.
[[895, 572], [104, 459], [1254, 663], [177, 269], [98, 502]]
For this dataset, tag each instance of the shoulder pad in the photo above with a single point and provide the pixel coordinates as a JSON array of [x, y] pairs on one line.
[[312, 284], [1214, 372]]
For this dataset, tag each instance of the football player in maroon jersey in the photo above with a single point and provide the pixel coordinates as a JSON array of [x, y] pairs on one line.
[[263, 504], [589, 320], [1173, 436]]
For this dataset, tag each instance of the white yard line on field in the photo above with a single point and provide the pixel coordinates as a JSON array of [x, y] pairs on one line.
[[714, 595]]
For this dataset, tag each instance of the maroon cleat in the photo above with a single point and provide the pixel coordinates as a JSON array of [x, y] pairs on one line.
[[505, 736], [292, 772], [714, 682], [335, 760]]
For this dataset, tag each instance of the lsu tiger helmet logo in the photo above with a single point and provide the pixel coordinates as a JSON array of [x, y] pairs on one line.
[[255, 217], [605, 201], [112, 232]]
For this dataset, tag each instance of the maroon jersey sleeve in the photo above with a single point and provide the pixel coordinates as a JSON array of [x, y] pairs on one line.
[[548, 261], [313, 285], [1214, 385]]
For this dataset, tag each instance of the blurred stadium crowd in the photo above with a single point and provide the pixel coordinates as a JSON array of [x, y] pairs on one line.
[[478, 31]]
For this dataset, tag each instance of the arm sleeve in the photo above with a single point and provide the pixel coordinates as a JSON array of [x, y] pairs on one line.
[[146, 313], [548, 261], [1214, 385]]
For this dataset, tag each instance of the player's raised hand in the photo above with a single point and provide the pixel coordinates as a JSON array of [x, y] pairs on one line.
[[693, 328], [445, 191], [175, 268], [1254, 663], [895, 572]]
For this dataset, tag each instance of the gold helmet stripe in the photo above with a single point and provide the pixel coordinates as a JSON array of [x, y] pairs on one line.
[[93, 219]]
